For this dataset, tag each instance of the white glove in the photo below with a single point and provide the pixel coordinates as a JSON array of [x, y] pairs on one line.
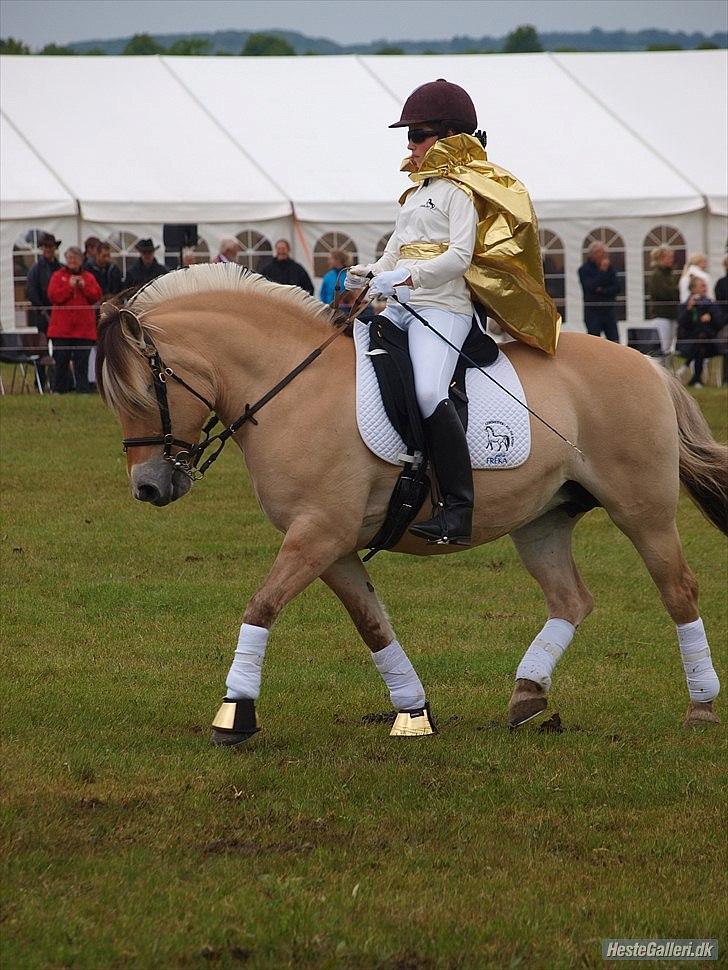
[[356, 276], [390, 284]]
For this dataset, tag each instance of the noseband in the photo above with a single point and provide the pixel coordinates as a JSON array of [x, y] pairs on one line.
[[188, 458]]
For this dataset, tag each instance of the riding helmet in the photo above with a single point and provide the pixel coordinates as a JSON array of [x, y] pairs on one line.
[[439, 100]]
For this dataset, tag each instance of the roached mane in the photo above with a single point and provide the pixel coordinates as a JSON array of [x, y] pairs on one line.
[[122, 374]]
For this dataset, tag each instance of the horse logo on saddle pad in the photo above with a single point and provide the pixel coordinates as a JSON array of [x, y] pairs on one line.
[[498, 428]]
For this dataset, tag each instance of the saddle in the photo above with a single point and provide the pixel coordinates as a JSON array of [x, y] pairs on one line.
[[389, 353]]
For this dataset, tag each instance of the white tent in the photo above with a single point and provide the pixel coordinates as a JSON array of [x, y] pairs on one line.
[[299, 147]]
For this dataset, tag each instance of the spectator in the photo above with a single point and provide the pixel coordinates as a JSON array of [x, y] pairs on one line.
[[38, 279], [698, 327], [696, 265], [146, 268], [600, 285], [721, 293], [338, 263], [664, 304], [72, 291], [285, 270], [189, 257], [37, 293], [228, 251], [105, 273], [90, 249]]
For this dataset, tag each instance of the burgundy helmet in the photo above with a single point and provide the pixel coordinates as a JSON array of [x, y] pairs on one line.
[[439, 101]]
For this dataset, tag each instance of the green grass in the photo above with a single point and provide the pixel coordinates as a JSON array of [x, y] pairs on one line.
[[130, 842]]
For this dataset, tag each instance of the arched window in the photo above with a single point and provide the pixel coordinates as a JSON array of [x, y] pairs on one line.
[[256, 252], [614, 244], [123, 253], [382, 245], [328, 242], [25, 252], [552, 254], [661, 236]]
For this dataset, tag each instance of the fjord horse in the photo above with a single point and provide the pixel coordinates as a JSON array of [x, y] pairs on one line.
[[232, 335]]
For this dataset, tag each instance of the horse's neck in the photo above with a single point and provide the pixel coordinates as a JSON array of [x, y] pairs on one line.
[[249, 353]]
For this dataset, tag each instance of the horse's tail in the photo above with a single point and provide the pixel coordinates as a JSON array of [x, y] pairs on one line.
[[703, 461]]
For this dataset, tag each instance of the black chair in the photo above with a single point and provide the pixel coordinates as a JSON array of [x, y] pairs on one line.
[[646, 340], [13, 352]]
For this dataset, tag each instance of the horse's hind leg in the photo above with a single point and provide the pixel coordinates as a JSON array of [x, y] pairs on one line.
[[544, 547], [348, 578], [658, 542]]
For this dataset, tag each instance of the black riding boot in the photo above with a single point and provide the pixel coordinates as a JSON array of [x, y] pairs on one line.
[[450, 458]]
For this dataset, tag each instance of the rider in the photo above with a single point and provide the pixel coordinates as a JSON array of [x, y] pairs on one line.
[[423, 264]]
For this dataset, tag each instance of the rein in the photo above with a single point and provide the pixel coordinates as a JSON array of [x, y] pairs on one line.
[[188, 459]]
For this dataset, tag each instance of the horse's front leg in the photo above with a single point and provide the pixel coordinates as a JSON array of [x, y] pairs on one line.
[[348, 578], [307, 550]]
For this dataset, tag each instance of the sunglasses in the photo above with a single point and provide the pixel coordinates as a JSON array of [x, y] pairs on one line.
[[418, 135]]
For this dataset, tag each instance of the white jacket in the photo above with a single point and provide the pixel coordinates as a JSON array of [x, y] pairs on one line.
[[439, 212]]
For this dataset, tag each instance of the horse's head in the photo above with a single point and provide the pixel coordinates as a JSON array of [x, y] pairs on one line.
[[161, 419]]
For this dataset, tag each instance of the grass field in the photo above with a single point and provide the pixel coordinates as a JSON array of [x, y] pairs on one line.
[[130, 842]]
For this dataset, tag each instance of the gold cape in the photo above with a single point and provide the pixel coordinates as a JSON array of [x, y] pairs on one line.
[[506, 274]]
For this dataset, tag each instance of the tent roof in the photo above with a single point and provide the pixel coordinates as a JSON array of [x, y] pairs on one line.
[[233, 139], [28, 188]]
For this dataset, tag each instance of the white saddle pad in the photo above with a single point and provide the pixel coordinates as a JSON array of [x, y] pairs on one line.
[[499, 430]]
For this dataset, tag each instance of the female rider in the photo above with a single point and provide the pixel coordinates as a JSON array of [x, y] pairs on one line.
[[442, 216]]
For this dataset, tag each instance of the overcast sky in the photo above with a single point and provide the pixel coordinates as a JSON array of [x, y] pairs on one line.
[[38, 22]]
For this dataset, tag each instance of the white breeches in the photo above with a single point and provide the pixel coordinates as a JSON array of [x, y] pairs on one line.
[[433, 362]]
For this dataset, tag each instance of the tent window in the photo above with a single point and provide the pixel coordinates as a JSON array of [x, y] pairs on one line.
[[123, 253], [25, 252], [328, 242], [382, 245], [257, 250], [615, 246], [661, 236], [552, 254]]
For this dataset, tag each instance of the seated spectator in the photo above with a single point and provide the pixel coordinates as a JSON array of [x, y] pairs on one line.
[[146, 268], [283, 269], [228, 250], [73, 291], [695, 266], [600, 284], [664, 304], [338, 263], [90, 249], [106, 274], [698, 327]]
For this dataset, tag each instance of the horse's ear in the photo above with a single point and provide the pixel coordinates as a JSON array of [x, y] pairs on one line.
[[132, 328]]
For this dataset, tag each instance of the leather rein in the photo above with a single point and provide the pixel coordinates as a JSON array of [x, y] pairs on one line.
[[188, 458]]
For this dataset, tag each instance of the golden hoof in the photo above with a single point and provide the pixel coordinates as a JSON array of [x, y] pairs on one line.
[[699, 715], [528, 700], [414, 724], [236, 721]]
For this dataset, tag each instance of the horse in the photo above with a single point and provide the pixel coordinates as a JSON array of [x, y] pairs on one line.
[[227, 336]]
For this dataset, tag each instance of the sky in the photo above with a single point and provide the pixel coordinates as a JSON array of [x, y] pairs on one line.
[[38, 22]]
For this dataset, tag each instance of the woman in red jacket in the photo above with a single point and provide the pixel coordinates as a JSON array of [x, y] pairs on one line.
[[73, 292]]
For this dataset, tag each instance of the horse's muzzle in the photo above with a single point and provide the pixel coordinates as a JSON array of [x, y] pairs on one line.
[[156, 481]]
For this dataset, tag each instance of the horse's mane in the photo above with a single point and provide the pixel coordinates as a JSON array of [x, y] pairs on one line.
[[123, 376]]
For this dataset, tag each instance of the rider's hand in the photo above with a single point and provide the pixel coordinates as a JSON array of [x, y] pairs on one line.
[[396, 282], [356, 276]]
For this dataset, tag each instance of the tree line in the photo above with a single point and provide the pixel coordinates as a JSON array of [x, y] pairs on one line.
[[524, 39]]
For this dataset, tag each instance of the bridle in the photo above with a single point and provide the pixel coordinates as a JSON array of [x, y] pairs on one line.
[[188, 458]]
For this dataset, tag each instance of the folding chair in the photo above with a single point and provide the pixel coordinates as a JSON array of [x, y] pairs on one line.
[[646, 340], [13, 352]]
